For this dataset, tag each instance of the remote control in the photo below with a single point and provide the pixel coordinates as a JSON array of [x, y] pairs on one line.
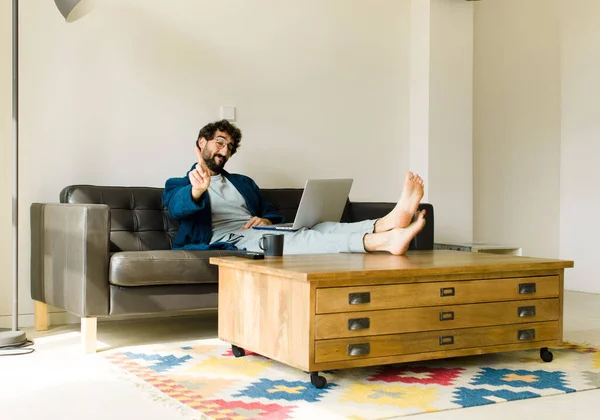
[[253, 255]]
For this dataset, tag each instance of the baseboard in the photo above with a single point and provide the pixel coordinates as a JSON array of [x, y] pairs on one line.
[[26, 320], [62, 318]]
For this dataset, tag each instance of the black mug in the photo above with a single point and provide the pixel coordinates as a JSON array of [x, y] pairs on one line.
[[272, 244]]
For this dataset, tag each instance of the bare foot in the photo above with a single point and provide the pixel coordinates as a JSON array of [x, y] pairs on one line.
[[395, 241], [403, 212], [401, 237]]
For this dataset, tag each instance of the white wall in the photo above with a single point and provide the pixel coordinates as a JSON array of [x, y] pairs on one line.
[[517, 125], [118, 97], [420, 57], [141, 78], [441, 109], [5, 163], [537, 123], [321, 90], [580, 149], [450, 181]]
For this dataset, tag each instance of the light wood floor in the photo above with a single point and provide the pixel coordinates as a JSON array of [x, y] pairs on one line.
[[58, 382]]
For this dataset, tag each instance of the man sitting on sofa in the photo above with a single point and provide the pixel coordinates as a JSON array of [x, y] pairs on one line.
[[217, 210]]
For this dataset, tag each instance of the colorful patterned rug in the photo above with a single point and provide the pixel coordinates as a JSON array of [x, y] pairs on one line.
[[205, 378]]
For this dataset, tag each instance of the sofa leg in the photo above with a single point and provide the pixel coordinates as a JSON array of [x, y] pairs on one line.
[[88, 334], [40, 316]]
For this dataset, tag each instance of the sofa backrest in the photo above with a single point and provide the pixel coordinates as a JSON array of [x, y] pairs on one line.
[[138, 219], [285, 200]]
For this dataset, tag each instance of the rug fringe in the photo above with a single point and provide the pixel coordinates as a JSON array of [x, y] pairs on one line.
[[580, 344], [152, 393]]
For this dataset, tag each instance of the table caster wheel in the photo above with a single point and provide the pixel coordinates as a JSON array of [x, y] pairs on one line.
[[237, 351], [546, 354], [317, 380]]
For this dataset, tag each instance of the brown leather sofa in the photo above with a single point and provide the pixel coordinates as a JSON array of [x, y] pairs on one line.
[[104, 251]]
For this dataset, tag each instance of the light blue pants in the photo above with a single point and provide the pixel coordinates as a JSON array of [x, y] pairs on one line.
[[326, 237]]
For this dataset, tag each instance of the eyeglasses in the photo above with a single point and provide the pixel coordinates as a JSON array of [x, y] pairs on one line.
[[223, 143]]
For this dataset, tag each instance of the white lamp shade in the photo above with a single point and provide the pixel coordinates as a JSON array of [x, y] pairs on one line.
[[73, 9]]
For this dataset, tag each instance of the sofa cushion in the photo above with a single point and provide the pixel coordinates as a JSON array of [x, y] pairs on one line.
[[151, 268]]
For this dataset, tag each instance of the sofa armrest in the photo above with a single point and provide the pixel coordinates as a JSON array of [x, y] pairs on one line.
[[69, 257]]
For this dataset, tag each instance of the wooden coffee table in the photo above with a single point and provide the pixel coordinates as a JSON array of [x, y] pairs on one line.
[[334, 311]]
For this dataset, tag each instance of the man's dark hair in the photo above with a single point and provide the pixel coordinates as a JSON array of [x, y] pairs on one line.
[[209, 130]]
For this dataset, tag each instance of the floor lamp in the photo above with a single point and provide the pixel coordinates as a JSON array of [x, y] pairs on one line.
[[71, 10]]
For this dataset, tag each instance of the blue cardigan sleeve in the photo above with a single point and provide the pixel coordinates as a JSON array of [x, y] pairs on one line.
[[177, 197]]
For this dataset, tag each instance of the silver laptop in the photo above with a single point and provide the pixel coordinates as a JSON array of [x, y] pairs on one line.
[[323, 200]]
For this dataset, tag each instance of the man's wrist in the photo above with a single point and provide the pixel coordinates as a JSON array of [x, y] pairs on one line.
[[196, 194]]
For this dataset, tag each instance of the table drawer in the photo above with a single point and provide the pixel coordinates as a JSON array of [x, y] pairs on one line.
[[398, 344], [365, 298], [396, 321]]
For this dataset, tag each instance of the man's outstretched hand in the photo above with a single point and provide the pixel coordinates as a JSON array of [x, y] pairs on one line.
[[199, 177], [257, 221]]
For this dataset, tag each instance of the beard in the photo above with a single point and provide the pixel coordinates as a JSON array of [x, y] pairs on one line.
[[213, 165]]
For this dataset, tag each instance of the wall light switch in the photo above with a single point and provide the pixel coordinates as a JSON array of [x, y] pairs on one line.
[[228, 113]]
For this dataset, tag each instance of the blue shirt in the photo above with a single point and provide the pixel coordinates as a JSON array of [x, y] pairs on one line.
[[195, 218]]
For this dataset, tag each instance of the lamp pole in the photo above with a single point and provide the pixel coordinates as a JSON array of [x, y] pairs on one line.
[[15, 131], [71, 10], [15, 337]]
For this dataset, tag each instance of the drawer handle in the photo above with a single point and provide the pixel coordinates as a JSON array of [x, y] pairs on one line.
[[526, 311], [447, 291], [359, 324], [358, 298], [524, 335], [359, 349], [447, 339], [526, 288], [447, 316]]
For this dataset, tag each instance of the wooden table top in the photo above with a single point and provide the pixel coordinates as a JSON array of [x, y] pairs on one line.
[[412, 264]]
